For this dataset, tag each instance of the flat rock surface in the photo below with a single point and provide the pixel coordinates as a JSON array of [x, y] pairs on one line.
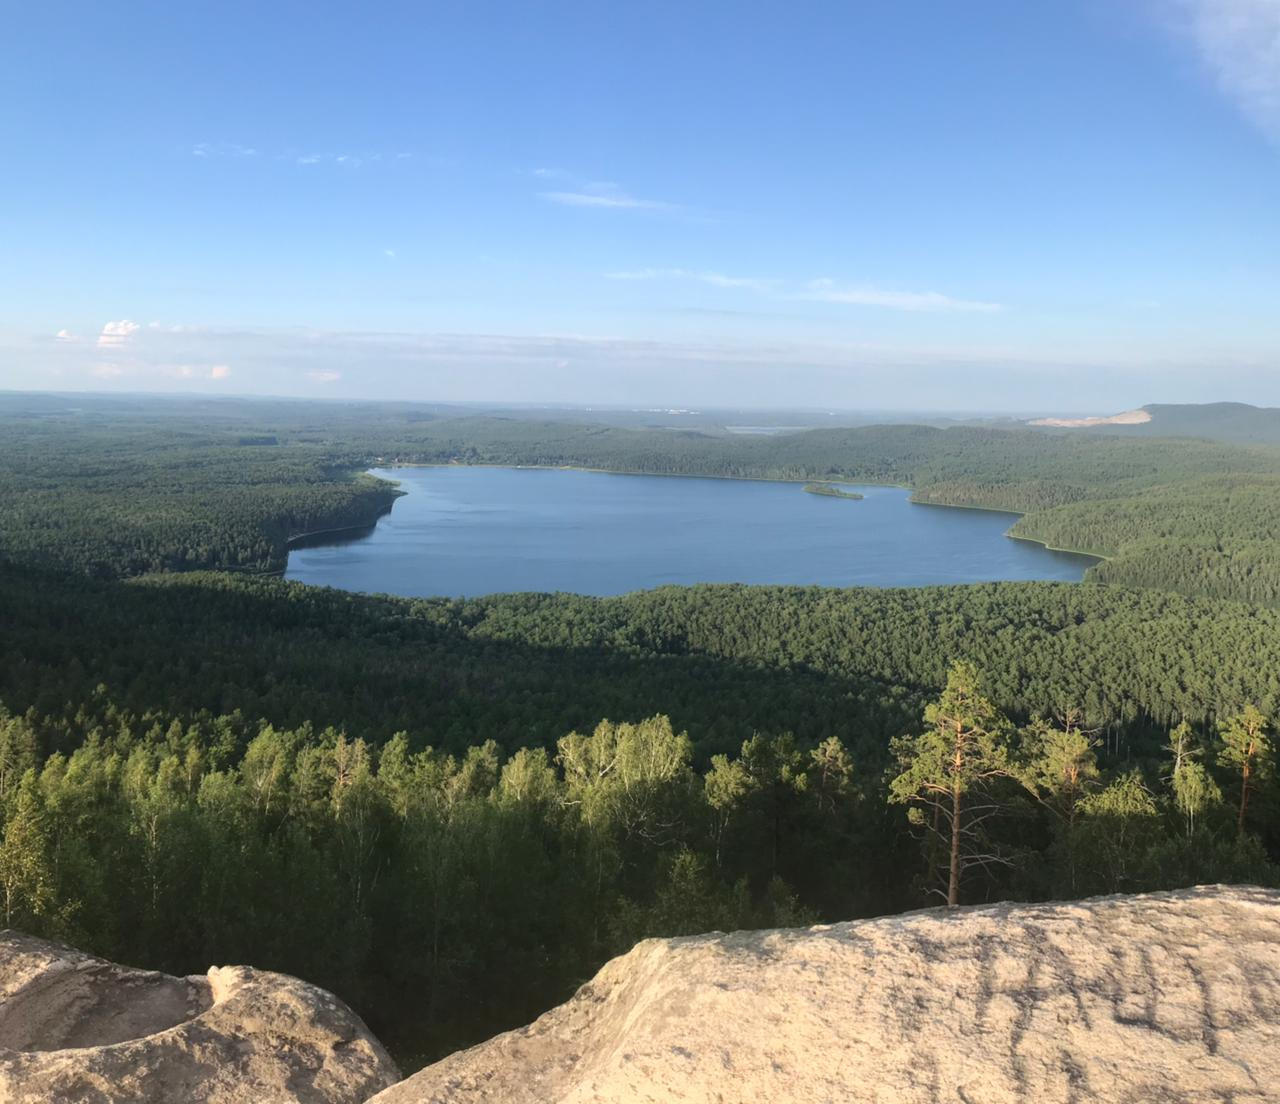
[[80, 1030], [1128, 1000]]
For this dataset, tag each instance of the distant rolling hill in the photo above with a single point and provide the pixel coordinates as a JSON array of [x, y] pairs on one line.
[[1239, 423]]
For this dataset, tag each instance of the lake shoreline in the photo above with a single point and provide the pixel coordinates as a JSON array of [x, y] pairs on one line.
[[318, 536], [650, 474], [1095, 556]]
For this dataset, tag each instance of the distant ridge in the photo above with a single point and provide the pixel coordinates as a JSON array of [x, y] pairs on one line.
[[1238, 423]]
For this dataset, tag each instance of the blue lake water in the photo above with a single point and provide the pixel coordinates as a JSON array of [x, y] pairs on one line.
[[471, 531]]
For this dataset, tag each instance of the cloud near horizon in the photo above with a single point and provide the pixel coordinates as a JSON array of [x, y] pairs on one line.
[[777, 372], [128, 351], [115, 334]]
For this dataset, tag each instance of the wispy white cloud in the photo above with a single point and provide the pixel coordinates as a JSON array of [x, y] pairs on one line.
[[390, 253], [602, 194], [65, 335], [828, 291], [715, 279], [115, 334], [819, 291], [1239, 42], [352, 160], [598, 199], [324, 376], [222, 149], [345, 160], [142, 370], [209, 151]]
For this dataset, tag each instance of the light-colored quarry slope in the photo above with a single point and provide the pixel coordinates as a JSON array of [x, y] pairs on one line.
[[1129, 417]]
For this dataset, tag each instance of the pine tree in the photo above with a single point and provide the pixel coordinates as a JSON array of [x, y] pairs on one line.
[[26, 864], [1061, 765], [948, 771], [1246, 747], [18, 753]]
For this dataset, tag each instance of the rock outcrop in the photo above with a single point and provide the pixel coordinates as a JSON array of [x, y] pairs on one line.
[[1128, 1000], [80, 1030]]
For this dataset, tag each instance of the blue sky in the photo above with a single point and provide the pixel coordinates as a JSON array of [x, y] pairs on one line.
[[933, 205]]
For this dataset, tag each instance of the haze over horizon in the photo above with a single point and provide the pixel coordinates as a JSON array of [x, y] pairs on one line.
[[1022, 207]]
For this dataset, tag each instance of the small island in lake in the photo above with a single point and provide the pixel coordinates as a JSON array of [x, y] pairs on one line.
[[830, 490]]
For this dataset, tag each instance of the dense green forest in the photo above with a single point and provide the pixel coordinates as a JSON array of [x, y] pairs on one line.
[[451, 812], [721, 660]]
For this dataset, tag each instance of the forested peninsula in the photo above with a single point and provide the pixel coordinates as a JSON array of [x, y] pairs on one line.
[[830, 490], [451, 812]]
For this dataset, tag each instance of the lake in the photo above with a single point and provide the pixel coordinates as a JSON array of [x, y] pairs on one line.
[[462, 531]]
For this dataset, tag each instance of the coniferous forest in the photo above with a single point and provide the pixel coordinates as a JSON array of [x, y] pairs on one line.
[[452, 812]]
